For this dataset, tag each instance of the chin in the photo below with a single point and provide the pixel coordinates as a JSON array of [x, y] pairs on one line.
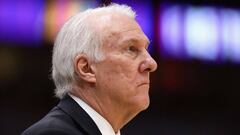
[[141, 100], [144, 100], [143, 103], [146, 104]]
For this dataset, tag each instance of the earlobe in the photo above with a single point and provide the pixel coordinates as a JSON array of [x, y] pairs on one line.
[[84, 69]]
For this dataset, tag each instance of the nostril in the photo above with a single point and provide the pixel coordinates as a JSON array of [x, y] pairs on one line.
[[148, 69]]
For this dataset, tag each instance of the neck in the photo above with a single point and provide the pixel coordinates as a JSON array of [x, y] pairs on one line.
[[116, 115]]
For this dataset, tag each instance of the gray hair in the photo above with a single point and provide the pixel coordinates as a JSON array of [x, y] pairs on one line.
[[75, 37]]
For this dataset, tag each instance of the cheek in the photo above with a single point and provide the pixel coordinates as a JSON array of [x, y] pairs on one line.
[[119, 75], [126, 73]]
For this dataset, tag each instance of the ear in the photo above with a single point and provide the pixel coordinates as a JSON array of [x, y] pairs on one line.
[[84, 68]]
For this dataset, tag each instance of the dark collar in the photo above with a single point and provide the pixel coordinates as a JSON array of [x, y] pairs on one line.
[[71, 107]]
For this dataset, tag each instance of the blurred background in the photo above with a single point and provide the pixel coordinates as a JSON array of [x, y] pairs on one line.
[[195, 91]]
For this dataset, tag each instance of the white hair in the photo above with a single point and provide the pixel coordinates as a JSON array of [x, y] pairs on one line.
[[75, 37]]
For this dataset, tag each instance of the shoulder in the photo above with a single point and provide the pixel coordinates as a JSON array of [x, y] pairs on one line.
[[55, 122], [50, 131]]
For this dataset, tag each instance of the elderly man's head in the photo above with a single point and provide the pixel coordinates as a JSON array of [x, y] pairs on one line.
[[101, 56], [81, 35]]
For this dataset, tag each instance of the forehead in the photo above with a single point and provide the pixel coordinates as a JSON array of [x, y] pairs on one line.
[[121, 28], [134, 35], [130, 37]]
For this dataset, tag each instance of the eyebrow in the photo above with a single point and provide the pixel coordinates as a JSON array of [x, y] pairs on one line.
[[134, 40], [127, 30]]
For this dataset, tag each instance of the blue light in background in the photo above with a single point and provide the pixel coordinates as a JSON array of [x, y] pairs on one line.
[[230, 34], [171, 31], [144, 16], [22, 21], [201, 33], [30, 23]]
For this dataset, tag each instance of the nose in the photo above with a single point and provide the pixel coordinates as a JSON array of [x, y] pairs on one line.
[[148, 64]]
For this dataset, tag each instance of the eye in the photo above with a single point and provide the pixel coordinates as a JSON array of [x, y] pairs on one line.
[[132, 49]]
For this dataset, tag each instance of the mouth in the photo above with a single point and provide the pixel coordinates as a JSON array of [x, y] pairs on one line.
[[145, 83]]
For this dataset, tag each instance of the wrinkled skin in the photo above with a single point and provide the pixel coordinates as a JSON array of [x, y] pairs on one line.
[[123, 76], [116, 87]]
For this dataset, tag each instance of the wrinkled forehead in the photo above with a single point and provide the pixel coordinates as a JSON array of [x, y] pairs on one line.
[[119, 26], [117, 29]]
